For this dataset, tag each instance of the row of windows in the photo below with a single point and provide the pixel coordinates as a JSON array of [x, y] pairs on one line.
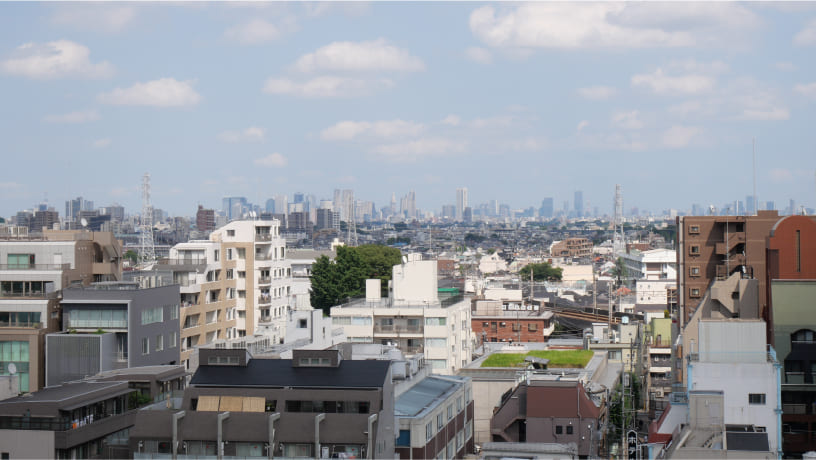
[[329, 407], [531, 327], [441, 421], [158, 343]]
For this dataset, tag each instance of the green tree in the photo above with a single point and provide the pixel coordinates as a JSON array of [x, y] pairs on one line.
[[619, 272], [541, 272], [335, 280], [131, 255]]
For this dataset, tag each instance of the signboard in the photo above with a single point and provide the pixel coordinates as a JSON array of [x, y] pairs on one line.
[[632, 444]]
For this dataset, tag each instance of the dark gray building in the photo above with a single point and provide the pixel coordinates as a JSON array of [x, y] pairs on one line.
[[314, 405], [112, 326]]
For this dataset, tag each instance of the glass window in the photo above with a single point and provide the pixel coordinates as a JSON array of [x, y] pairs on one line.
[[145, 346], [429, 431], [433, 343], [756, 398], [439, 422], [435, 321], [569, 429], [159, 342], [559, 429], [450, 411]]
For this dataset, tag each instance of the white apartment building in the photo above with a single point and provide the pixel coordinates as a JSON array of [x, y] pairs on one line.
[[412, 318], [656, 264], [236, 284]]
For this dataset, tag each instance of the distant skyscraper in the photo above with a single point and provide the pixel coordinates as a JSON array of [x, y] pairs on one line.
[[461, 202], [449, 211], [770, 206], [233, 206], [697, 210], [749, 205], [73, 207], [205, 219], [579, 203], [546, 210], [299, 197]]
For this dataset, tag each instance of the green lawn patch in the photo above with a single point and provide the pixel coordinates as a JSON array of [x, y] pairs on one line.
[[558, 358]]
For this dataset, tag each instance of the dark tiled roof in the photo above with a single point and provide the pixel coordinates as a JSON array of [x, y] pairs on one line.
[[280, 373], [560, 400]]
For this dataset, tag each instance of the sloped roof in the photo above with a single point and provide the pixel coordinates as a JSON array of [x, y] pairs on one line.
[[560, 399], [281, 373]]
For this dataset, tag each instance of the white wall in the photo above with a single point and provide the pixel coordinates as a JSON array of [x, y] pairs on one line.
[[415, 283]]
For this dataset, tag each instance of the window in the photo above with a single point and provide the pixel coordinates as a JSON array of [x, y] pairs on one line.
[[230, 274], [458, 404], [694, 292], [694, 271], [694, 250], [152, 315], [434, 343], [532, 327], [173, 340], [437, 363], [569, 429], [756, 398], [230, 232], [20, 260], [174, 311], [803, 335], [404, 439], [440, 423], [216, 255], [559, 429], [429, 431], [797, 248], [450, 411], [694, 229], [229, 254], [435, 321], [145, 346], [614, 355]]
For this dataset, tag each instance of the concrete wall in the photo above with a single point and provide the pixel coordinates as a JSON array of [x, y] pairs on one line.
[[27, 443], [415, 283]]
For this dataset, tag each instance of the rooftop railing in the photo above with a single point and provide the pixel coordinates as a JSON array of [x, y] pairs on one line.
[[35, 266]]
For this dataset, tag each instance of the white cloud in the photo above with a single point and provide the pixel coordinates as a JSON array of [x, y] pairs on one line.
[[451, 120], [528, 144], [754, 100], [611, 25], [500, 121], [251, 134], [806, 36], [165, 92], [679, 136], [259, 31], [9, 185], [385, 129], [781, 175], [366, 56], [627, 120], [325, 86], [480, 55], [81, 116], [785, 66], [581, 125], [412, 150], [765, 113], [806, 89], [272, 160], [661, 83], [597, 92], [106, 17], [102, 143], [346, 8], [57, 59]]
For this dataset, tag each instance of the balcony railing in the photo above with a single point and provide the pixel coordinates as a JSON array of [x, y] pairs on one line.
[[35, 266], [794, 409], [263, 257], [33, 324], [263, 237], [264, 299], [264, 280], [97, 324], [29, 294], [184, 261], [397, 328]]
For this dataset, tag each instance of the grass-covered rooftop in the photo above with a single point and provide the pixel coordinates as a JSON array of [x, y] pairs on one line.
[[558, 358]]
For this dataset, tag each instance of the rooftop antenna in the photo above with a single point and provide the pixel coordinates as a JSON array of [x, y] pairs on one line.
[[147, 252], [352, 223], [753, 149]]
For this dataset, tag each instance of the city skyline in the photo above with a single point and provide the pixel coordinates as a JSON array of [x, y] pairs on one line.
[[255, 100]]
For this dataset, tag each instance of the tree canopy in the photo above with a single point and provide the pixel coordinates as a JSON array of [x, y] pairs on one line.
[[335, 280], [541, 272]]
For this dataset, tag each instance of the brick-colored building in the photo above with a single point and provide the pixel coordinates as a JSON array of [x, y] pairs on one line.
[[514, 326], [572, 247]]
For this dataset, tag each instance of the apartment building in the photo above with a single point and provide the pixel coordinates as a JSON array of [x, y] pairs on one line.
[[500, 321], [316, 405], [655, 264], [34, 268], [236, 284], [412, 317], [572, 247], [713, 247], [111, 326]]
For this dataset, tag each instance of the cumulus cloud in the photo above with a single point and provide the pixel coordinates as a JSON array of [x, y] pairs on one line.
[[480, 55], [451, 120], [785, 66], [102, 143], [81, 116], [806, 89], [581, 125], [661, 83], [610, 25], [165, 92], [806, 36], [57, 59], [412, 150], [272, 160], [627, 120], [325, 86], [259, 31], [385, 129], [251, 134], [679, 136], [597, 92], [364, 56], [107, 17]]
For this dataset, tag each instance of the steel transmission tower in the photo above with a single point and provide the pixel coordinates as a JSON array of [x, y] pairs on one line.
[[147, 252], [352, 222], [618, 243]]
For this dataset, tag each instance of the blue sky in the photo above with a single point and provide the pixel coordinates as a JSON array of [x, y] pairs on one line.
[[515, 101]]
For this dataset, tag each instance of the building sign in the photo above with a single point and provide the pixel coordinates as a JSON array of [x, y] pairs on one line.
[[632, 444]]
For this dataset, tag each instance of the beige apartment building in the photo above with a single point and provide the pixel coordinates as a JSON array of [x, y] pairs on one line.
[[236, 284]]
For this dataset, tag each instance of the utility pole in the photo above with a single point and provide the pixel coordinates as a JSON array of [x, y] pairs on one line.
[[609, 308]]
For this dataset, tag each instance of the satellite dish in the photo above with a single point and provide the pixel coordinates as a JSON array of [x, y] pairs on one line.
[[83, 222], [12, 368]]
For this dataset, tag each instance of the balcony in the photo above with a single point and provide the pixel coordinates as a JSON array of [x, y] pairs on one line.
[[397, 328], [733, 240], [31, 324], [795, 409], [264, 300], [263, 237], [264, 280], [28, 294], [43, 267], [263, 257]]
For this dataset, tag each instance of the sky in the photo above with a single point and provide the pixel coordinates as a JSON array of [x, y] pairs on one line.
[[515, 101]]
